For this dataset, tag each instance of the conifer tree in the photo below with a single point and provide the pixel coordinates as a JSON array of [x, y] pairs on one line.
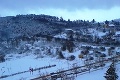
[[111, 73]]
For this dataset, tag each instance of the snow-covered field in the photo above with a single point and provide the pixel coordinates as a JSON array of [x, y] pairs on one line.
[[23, 63]]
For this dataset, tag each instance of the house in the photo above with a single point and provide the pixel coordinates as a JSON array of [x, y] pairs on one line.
[[69, 33], [111, 25]]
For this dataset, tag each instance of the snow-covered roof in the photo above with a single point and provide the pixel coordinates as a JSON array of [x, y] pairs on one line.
[[111, 25], [68, 29], [61, 36]]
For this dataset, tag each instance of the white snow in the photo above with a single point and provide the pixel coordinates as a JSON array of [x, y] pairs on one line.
[[61, 35], [97, 75], [96, 32], [118, 32], [23, 63]]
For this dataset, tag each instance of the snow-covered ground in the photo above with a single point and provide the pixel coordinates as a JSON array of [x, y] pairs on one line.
[[97, 75], [23, 63]]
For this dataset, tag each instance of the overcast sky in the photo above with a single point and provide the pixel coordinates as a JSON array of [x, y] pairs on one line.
[[99, 10]]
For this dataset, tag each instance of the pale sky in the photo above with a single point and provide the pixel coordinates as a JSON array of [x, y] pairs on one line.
[[99, 10]]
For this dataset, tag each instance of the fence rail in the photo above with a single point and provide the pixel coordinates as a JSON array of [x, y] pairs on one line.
[[5, 76]]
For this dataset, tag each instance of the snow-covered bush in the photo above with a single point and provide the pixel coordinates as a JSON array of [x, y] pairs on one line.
[[22, 49], [37, 51], [60, 55], [102, 48], [49, 51], [71, 57], [81, 56]]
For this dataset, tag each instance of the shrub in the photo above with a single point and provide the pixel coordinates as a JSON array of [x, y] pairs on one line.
[[103, 55], [63, 48], [72, 57], [81, 56], [2, 58], [69, 45], [102, 48], [91, 58], [60, 55]]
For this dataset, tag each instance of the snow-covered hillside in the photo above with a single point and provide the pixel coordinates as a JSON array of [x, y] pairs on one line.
[[35, 59], [43, 46]]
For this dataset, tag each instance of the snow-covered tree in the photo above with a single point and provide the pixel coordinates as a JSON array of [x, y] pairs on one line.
[[111, 73], [60, 55]]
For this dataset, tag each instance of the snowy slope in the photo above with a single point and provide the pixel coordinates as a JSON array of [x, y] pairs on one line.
[[97, 75], [23, 63], [13, 66]]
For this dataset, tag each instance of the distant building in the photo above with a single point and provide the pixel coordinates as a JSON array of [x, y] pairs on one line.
[[111, 25], [69, 33]]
